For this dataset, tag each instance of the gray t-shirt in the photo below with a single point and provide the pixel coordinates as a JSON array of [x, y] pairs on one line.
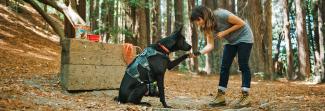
[[244, 34]]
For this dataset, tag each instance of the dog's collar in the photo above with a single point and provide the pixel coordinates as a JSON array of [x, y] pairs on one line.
[[164, 48]]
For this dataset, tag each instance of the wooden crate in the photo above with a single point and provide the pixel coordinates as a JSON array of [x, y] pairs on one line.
[[89, 65]]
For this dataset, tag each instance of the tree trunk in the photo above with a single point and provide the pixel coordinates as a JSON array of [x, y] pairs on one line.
[[303, 49], [102, 19], [68, 28], [212, 4], [178, 8], [156, 34], [81, 8], [129, 23], [135, 22], [45, 10], [110, 19], [247, 8], [194, 61], [115, 23], [267, 41], [121, 23], [321, 20], [169, 17], [286, 30], [310, 32], [179, 22], [143, 28], [94, 11], [226, 4], [55, 26], [148, 21], [242, 6], [319, 40], [232, 6], [52, 4], [91, 12], [277, 53]]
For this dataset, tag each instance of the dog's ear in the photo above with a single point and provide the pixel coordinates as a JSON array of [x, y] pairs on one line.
[[168, 42], [180, 29]]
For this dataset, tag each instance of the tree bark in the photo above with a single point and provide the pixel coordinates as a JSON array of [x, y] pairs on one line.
[[142, 20], [169, 17], [256, 23], [81, 9], [178, 8], [110, 19], [148, 21], [135, 22], [116, 21], [195, 40], [94, 11], [321, 20], [55, 26], [52, 4], [129, 23], [310, 31], [319, 40], [303, 49], [212, 4], [277, 53], [179, 22], [68, 28], [156, 34], [286, 30], [267, 41], [247, 8]]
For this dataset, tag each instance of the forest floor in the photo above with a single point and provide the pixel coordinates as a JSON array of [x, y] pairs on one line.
[[30, 62], [183, 92]]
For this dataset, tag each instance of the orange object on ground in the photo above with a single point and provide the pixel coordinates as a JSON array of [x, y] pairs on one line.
[[93, 37], [128, 53]]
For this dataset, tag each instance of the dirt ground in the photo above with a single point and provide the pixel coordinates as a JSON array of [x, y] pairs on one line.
[[30, 62], [183, 92]]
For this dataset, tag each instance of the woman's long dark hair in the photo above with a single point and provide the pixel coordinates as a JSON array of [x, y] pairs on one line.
[[207, 15]]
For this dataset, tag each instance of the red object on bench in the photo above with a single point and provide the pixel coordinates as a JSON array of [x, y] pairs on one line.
[[93, 37]]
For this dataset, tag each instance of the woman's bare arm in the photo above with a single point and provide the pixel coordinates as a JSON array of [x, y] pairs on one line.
[[210, 43], [237, 23]]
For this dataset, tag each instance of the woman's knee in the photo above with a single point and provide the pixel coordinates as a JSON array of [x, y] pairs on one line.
[[244, 67]]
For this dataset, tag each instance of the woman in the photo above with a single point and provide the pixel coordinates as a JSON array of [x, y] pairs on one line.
[[222, 24]]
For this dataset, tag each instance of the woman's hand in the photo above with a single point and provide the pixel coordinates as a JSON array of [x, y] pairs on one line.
[[191, 55], [220, 35], [194, 54]]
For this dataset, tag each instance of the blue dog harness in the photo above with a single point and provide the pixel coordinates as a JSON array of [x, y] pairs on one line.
[[142, 60]]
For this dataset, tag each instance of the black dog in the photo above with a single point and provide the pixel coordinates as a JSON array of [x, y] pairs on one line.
[[149, 67]]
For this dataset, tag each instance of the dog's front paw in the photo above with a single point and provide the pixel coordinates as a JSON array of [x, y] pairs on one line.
[[167, 106], [145, 104]]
